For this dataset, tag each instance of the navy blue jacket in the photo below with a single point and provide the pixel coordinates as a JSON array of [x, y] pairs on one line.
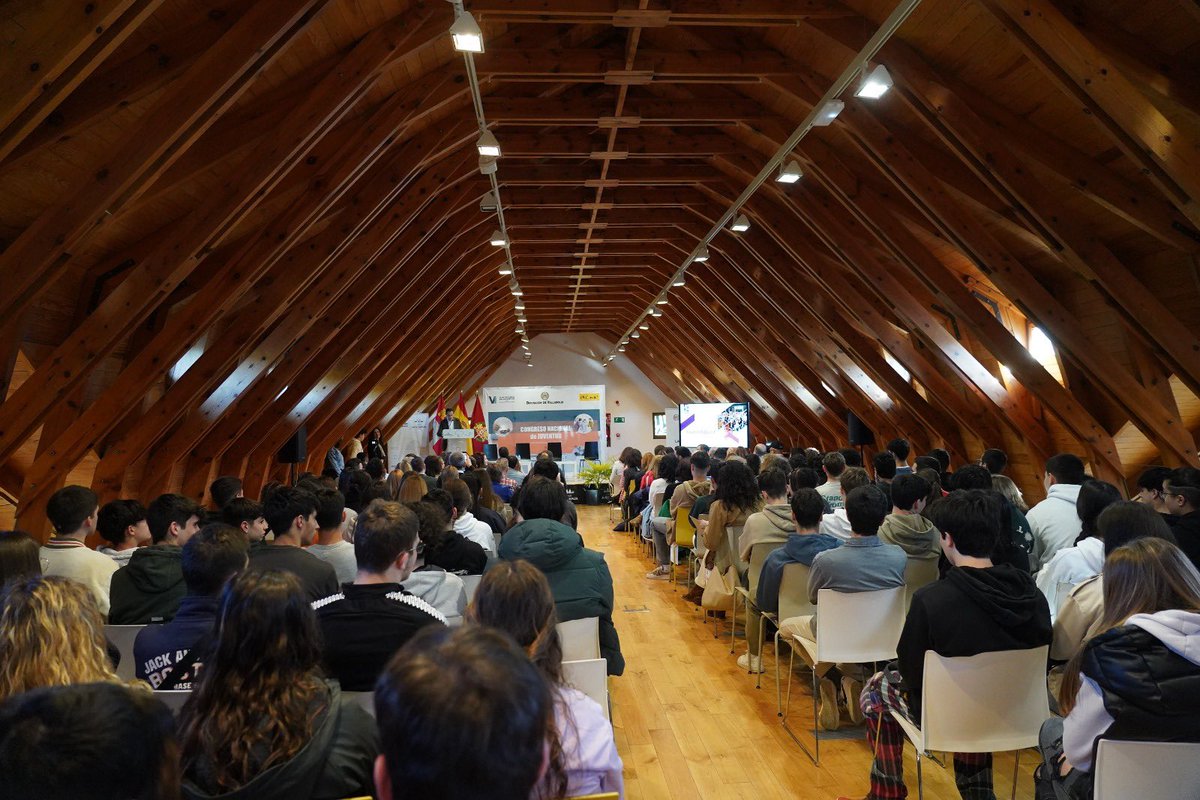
[[158, 648], [800, 548]]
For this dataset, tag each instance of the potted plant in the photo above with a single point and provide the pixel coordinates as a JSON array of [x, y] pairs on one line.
[[595, 477]]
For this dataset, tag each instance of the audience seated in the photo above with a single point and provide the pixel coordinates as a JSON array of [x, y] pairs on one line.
[[247, 516], [884, 466], [976, 608], [464, 521], [863, 563], [655, 521], [1016, 537], [485, 504], [688, 492], [579, 578], [366, 622], [1054, 521], [1139, 677], [1085, 560], [151, 587], [262, 722], [18, 556], [122, 524], [905, 526], [703, 502], [1181, 496], [51, 634], [773, 524], [73, 511], [836, 523], [801, 546], [736, 497], [464, 715], [514, 597], [1079, 616], [167, 655], [224, 489], [92, 741], [1150, 486], [447, 548], [329, 546], [292, 515], [900, 449], [994, 461], [1008, 488], [834, 464], [548, 468]]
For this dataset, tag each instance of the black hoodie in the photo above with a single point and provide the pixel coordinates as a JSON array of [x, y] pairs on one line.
[[148, 589], [968, 612]]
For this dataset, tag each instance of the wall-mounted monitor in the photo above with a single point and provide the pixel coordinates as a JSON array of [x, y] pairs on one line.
[[555, 449], [714, 424], [523, 451]]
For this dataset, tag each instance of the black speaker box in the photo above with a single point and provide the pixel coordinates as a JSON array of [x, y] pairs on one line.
[[860, 434], [296, 448]]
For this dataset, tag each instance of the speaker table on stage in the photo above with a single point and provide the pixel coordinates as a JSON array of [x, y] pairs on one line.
[[457, 438]]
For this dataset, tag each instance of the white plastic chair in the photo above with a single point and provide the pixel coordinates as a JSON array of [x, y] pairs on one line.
[[173, 698], [852, 628], [590, 677], [987, 703], [1146, 770], [758, 556], [918, 572], [793, 602], [122, 637], [580, 639], [471, 585]]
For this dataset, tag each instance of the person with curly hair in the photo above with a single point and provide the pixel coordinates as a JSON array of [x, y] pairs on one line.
[[737, 497]]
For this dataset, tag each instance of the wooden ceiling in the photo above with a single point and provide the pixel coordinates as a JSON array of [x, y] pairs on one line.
[[285, 194]]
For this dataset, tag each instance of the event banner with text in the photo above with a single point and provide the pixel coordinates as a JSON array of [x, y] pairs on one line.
[[566, 420]]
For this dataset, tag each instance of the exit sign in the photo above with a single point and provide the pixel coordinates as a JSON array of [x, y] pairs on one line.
[[618, 419]]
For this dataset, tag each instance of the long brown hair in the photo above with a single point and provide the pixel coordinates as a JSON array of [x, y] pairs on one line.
[[487, 497], [412, 488], [51, 634], [260, 689], [515, 597], [1143, 577]]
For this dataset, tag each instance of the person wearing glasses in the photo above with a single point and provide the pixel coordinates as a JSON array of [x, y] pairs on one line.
[[1181, 497]]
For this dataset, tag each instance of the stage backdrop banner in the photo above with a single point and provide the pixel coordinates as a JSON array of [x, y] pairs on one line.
[[539, 416]]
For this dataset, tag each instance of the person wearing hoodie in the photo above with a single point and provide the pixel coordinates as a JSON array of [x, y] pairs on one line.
[[687, 493], [801, 547], [1139, 678], [443, 590], [166, 656], [1054, 522], [976, 608], [151, 588], [579, 578], [1181, 497], [465, 523], [447, 548], [1073, 565], [905, 526], [122, 523], [262, 722]]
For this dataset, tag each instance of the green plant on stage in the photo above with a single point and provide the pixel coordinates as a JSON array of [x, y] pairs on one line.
[[595, 474]]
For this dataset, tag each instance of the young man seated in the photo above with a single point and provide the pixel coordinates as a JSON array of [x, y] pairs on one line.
[[862, 564], [247, 516], [329, 545], [772, 525], [151, 587], [122, 525], [73, 511], [165, 655], [976, 608], [292, 514], [837, 524], [366, 622], [905, 526]]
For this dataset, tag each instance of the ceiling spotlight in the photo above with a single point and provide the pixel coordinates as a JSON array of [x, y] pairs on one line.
[[525, 339], [789, 173], [644, 327], [529, 363], [521, 331], [741, 224], [515, 288], [701, 254], [636, 334], [506, 270], [620, 349], [875, 82], [488, 165], [498, 238], [662, 301], [655, 312], [520, 306], [488, 203], [488, 144], [679, 280], [828, 113], [522, 319], [466, 34]]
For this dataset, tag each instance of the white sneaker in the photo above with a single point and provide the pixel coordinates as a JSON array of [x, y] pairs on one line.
[[659, 574], [752, 664]]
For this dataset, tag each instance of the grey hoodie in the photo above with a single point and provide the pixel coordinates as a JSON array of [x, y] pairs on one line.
[[772, 525], [915, 534]]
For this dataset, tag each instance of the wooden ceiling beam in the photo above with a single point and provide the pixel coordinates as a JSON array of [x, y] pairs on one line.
[[594, 65], [658, 14], [506, 111], [572, 143], [186, 109], [60, 48]]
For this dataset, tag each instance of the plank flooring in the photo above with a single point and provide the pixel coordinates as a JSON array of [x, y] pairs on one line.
[[690, 724]]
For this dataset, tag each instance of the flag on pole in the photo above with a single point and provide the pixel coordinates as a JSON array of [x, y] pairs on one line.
[[460, 416], [479, 426], [439, 417]]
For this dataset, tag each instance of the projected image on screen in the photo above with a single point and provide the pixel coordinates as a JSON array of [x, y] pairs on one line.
[[714, 424]]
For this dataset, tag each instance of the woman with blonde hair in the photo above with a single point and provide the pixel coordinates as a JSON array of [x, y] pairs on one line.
[[1012, 493], [650, 462], [515, 597], [1139, 676], [411, 488], [51, 634]]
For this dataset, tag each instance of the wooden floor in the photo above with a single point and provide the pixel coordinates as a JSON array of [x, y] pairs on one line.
[[690, 724]]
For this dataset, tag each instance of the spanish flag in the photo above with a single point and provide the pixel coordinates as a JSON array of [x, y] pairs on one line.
[[460, 413]]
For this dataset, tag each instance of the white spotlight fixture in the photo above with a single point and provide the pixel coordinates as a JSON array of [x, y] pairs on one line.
[[525, 339], [644, 327], [488, 203], [488, 144], [789, 173], [521, 331], [498, 238], [505, 270], [741, 224], [655, 313], [875, 82], [662, 301], [678, 280], [636, 334], [701, 254], [529, 363], [829, 112], [621, 349], [515, 289], [466, 34], [488, 165], [520, 306]]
